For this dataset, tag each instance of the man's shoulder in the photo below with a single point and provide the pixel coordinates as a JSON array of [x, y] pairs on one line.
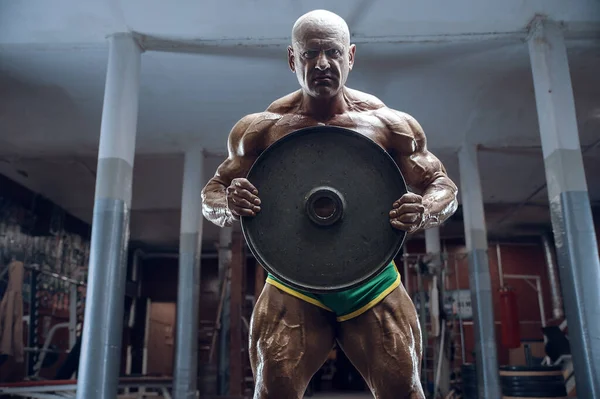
[[286, 104], [255, 122], [364, 101], [399, 121], [404, 130], [265, 119]]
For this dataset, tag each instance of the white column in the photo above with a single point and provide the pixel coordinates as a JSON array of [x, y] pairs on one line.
[[224, 250], [441, 364], [104, 311], [570, 210], [432, 241], [479, 274], [188, 290]]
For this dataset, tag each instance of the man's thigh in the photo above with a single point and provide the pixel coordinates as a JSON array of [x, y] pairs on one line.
[[384, 344], [289, 341]]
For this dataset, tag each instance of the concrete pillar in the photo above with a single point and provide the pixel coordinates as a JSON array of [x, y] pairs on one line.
[[104, 305], [570, 210], [224, 250], [441, 363], [479, 274], [432, 241], [188, 288], [225, 237]]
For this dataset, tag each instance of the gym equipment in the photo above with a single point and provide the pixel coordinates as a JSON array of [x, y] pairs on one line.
[[509, 316], [532, 382], [326, 194], [557, 344], [469, 381], [60, 389]]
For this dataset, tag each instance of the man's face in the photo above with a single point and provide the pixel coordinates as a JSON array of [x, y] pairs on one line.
[[322, 60]]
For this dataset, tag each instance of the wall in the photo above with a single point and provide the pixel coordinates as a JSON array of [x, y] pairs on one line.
[[517, 258], [38, 232], [161, 338], [159, 284]]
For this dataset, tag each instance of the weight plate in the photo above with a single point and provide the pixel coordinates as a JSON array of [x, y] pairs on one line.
[[326, 193]]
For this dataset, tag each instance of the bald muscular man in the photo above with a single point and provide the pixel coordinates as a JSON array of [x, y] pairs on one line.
[[376, 324]]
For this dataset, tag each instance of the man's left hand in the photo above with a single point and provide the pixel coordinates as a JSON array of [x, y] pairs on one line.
[[408, 213]]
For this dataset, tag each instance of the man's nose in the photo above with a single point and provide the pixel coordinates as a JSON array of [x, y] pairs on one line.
[[322, 62]]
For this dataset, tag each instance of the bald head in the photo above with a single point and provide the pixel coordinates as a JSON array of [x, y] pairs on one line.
[[321, 54], [320, 22]]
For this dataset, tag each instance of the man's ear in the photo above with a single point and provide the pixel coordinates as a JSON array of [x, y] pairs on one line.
[[351, 53], [291, 58]]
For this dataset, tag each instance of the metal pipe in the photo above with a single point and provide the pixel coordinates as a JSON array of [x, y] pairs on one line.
[[524, 322], [36, 267], [538, 287], [460, 320], [142, 390], [72, 316], [557, 305], [440, 358], [47, 342], [521, 276], [500, 272]]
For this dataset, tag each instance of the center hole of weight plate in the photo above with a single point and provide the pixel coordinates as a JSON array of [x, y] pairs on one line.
[[324, 206]]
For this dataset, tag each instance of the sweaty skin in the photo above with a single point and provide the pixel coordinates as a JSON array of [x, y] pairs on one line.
[[289, 338]]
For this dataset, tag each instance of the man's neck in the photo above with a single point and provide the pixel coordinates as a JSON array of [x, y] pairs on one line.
[[324, 108]]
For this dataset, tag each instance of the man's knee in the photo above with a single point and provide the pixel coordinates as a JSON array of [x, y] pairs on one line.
[[270, 383]]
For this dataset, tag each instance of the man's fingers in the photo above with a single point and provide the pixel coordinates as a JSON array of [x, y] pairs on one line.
[[237, 211], [408, 227], [409, 218], [242, 198], [243, 193], [407, 208], [244, 204], [408, 198], [241, 202], [245, 184]]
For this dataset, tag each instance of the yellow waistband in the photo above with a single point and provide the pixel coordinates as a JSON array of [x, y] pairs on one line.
[[297, 294], [345, 317], [372, 303]]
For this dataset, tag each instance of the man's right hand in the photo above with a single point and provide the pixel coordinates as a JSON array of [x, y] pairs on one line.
[[242, 198]]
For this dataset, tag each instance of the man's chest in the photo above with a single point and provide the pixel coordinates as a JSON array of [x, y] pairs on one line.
[[363, 123]]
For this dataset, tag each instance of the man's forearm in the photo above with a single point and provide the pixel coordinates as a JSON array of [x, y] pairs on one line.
[[214, 205], [440, 202]]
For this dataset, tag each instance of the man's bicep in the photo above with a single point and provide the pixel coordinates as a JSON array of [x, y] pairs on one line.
[[420, 169], [239, 156], [233, 167], [419, 166]]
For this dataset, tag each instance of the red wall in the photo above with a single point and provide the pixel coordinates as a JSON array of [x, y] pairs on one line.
[[516, 259]]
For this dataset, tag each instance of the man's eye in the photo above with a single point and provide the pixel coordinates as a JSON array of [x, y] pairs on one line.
[[310, 54], [335, 52]]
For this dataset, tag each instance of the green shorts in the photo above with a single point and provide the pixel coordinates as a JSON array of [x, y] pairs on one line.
[[352, 302]]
